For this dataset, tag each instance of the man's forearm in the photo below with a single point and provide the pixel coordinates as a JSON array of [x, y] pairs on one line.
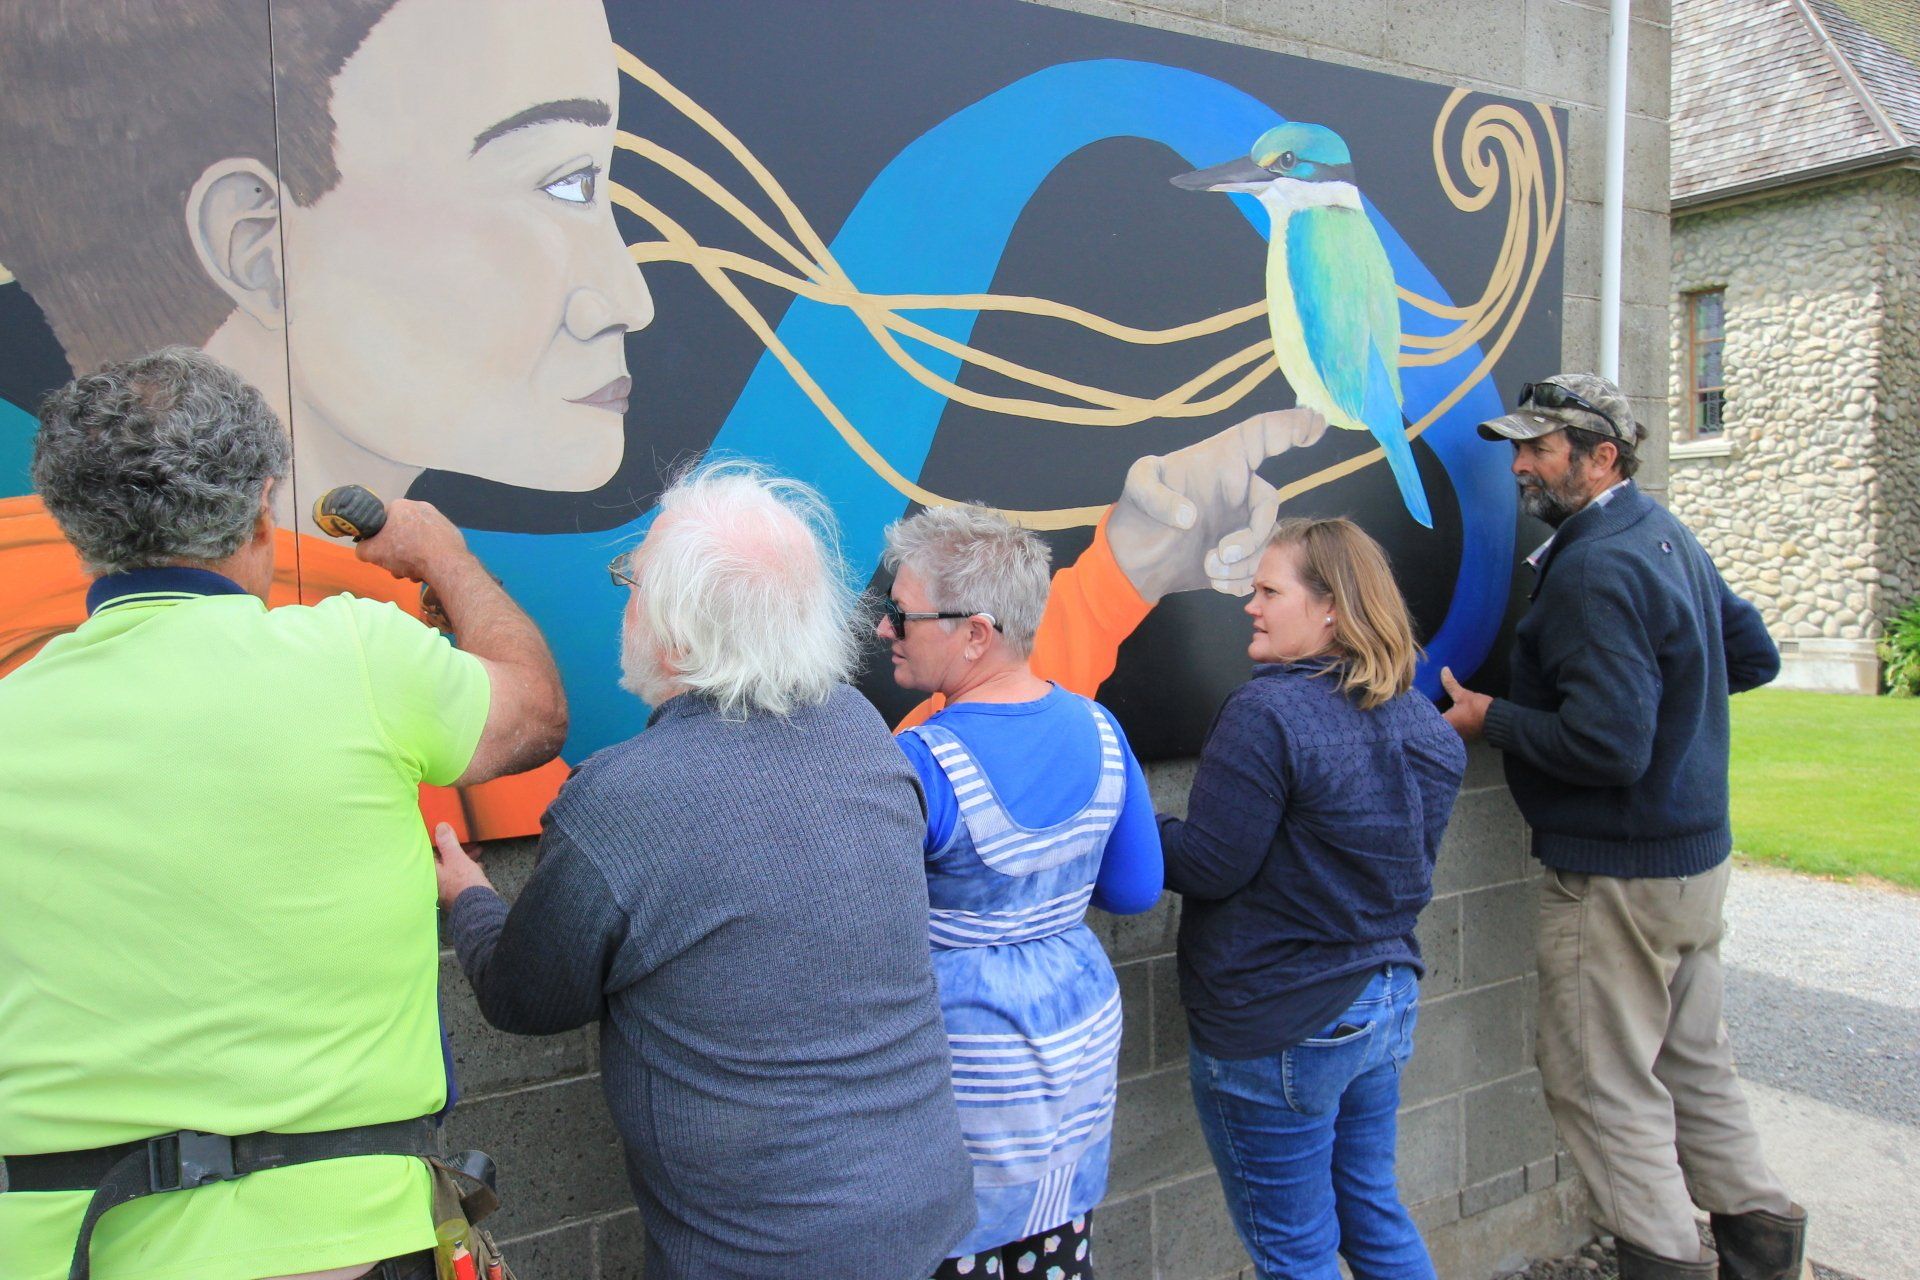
[[486, 621]]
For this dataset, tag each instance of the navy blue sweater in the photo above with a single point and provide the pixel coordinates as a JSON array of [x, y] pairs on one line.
[[1307, 851], [1615, 721]]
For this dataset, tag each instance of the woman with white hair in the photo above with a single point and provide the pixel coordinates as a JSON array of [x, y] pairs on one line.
[[1035, 808]]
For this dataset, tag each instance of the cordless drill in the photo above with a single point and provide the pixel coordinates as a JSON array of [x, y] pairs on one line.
[[352, 511]]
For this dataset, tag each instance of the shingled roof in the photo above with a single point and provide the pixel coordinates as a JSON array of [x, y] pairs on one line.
[[1773, 92]]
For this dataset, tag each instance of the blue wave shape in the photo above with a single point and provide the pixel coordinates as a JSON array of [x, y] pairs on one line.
[[936, 220]]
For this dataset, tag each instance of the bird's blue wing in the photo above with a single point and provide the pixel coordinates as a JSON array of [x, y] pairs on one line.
[[1329, 277], [1344, 291]]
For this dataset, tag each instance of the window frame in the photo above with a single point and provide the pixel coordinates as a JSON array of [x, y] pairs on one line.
[[1695, 346]]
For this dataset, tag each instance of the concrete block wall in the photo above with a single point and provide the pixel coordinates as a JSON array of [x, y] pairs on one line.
[[1477, 1155]]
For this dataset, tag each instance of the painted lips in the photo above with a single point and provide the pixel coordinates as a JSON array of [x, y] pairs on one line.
[[612, 397]]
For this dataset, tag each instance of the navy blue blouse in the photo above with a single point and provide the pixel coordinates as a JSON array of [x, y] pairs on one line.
[[1306, 855]]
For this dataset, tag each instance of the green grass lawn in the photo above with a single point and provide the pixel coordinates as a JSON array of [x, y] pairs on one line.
[[1828, 784]]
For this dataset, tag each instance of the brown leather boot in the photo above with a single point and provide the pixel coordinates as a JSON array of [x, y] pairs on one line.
[[1637, 1264], [1760, 1245]]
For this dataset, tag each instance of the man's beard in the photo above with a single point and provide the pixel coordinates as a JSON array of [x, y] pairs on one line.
[[1555, 503]]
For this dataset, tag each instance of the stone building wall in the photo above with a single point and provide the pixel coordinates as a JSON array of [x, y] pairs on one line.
[[1809, 506], [1478, 1160]]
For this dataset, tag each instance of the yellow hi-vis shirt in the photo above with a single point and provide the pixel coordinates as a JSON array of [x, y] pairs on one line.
[[217, 913]]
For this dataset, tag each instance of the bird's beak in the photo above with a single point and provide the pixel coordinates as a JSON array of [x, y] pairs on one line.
[[1234, 175]]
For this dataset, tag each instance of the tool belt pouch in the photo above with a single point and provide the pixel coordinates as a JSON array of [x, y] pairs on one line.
[[460, 1201]]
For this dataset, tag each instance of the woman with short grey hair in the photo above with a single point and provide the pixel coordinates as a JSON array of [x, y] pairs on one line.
[[1035, 809]]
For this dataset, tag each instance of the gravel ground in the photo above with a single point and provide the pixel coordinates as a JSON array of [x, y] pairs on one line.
[[1596, 1262]]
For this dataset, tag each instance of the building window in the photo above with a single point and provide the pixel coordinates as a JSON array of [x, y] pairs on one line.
[[1706, 390]]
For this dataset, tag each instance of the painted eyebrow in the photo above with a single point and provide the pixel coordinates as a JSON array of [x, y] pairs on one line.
[[588, 111]]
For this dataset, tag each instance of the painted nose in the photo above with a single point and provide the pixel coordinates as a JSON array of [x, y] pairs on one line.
[[615, 300]]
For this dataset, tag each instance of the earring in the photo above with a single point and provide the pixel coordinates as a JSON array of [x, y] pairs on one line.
[[1329, 619]]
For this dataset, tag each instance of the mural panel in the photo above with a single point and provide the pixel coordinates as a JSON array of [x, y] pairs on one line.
[[524, 259]]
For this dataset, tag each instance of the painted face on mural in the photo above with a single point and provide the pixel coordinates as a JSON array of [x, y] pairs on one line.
[[1290, 622], [463, 293]]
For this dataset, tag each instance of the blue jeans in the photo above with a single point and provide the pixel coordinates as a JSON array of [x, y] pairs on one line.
[[1304, 1143]]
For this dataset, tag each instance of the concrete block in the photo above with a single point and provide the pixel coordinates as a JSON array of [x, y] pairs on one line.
[[1564, 1167], [1542, 1174], [1483, 1196], [1486, 767], [1566, 52], [559, 1155], [1507, 1127], [1581, 247], [1427, 1158], [1193, 1235], [1649, 69], [1438, 934], [1169, 782], [487, 1061], [1645, 350], [566, 1254], [1483, 39], [1485, 844], [1127, 938], [1465, 1040], [620, 1247], [1136, 1026], [1497, 931], [1123, 1236], [1435, 1214], [1646, 272], [1169, 1017], [1580, 332], [1156, 1138], [1351, 26], [1504, 1239]]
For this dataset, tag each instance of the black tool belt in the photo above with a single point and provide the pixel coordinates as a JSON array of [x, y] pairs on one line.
[[178, 1161]]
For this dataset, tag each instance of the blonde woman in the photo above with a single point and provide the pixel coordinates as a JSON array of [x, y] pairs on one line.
[[1305, 858]]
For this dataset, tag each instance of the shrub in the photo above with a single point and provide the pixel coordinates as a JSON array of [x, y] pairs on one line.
[[1900, 650]]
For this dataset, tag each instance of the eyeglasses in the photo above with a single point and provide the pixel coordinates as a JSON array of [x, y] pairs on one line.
[[898, 618], [1551, 395], [617, 570]]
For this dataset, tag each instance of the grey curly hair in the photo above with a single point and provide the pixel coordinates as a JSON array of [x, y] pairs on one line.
[[972, 559], [157, 460]]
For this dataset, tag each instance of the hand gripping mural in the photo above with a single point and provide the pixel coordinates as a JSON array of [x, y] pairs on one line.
[[912, 254]]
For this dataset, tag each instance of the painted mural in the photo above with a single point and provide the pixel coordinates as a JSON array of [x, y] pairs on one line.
[[1142, 291]]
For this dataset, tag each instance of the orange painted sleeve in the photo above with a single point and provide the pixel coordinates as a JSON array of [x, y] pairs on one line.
[[1091, 609], [43, 594]]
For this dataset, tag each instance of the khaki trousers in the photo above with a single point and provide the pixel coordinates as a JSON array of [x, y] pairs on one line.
[[1634, 1058]]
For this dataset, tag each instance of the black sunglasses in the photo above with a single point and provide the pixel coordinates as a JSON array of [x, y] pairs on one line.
[[898, 618], [1551, 395]]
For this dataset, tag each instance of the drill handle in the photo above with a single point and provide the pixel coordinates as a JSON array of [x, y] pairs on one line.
[[350, 511]]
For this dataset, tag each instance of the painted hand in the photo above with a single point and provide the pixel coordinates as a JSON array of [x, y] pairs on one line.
[[1468, 714], [454, 867], [1196, 517], [416, 540]]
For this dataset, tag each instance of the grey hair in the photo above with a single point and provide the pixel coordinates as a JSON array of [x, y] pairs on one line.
[[157, 460], [743, 594], [972, 559]]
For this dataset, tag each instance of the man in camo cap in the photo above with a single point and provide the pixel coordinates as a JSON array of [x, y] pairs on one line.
[[1614, 731]]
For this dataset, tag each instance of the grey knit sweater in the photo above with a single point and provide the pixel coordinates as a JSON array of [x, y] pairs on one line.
[[742, 906]]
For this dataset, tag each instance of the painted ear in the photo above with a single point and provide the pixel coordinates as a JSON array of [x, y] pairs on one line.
[[233, 219]]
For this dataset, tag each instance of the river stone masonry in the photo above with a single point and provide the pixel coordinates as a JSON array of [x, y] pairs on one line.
[[1810, 501]]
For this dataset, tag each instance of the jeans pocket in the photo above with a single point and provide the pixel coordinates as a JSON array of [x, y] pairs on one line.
[[1314, 1073]]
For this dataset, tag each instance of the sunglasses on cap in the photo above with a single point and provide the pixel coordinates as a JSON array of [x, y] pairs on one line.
[[1551, 395]]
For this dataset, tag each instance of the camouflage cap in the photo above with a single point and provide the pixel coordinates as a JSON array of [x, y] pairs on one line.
[[1584, 400]]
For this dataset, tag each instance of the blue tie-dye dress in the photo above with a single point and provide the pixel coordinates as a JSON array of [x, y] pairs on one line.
[[1032, 1007]]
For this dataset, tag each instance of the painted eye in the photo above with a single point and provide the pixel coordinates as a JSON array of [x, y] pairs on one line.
[[1287, 159], [577, 187]]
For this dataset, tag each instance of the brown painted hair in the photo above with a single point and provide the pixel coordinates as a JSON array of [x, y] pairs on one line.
[[1372, 632], [110, 110]]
